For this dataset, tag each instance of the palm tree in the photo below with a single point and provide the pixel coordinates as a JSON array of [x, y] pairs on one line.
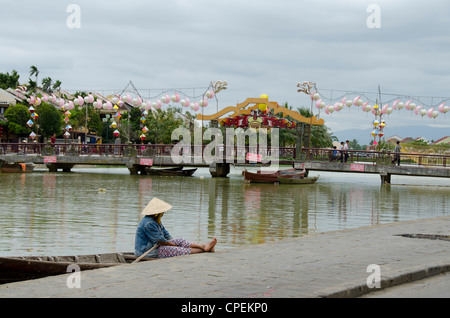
[[34, 71], [320, 134], [57, 85], [47, 84]]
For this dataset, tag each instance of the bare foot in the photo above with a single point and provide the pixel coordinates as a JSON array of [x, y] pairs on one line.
[[209, 247]]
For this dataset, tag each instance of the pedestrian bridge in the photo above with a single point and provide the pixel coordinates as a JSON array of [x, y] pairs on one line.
[[137, 158]]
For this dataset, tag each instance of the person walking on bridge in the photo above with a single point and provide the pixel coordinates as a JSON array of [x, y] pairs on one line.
[[397, 150]]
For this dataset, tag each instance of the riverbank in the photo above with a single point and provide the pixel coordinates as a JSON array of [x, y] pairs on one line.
[[331, 264]]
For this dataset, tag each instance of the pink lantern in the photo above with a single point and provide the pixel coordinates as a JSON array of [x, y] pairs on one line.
[[355, 101], [430, 112], [416, 110], [204, 102], [364, 106], [407, 104], [175, 98], [167, 99], [441, 107], [336, 107], [394, 104], [210, 94], [318, 103]]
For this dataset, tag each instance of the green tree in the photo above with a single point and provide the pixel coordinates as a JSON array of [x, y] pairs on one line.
[[18, 116], [78, 119], [50, 120], [34, 71], [57, 85], [9, 80], [47, 84], [320, 134], [160, 123]]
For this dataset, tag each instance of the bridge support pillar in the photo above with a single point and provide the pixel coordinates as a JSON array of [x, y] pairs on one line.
[[65, 167], [137, 169], [385, 178], [217, 169]]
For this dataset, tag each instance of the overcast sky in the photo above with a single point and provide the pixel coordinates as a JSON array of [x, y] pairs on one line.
[[257, 46]]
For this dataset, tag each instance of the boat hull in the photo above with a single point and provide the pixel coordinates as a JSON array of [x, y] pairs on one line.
[[296, 180], [269, 177], [16, 168], [177, 171], [14, 269]]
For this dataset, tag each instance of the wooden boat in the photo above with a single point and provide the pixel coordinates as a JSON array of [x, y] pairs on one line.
[[173, 171], [295, 179], [14, 269], [268, 176], [16, 167]]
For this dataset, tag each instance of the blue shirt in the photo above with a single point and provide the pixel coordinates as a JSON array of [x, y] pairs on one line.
[[149, 233]]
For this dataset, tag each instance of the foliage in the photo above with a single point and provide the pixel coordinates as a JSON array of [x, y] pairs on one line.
[[320, 134], [17, 116], [50, 120], [160, 124], [9, 80], [78, 119]]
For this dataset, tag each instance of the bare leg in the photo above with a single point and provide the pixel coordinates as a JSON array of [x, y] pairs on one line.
[[200, 248]]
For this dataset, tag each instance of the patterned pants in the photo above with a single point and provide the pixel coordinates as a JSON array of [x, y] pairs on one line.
[[183, 248]]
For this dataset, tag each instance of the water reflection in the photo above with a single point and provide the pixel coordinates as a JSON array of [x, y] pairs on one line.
[[97, 210]]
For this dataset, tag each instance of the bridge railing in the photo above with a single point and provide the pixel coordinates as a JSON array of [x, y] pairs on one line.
[[283, 153], [376, 157], [138, 150]]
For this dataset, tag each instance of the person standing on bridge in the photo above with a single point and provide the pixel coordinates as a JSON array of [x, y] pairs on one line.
[[346, 147], [397, 153], [151, 233]]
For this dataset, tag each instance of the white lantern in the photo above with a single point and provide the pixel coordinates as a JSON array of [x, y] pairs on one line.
[[423, 112]]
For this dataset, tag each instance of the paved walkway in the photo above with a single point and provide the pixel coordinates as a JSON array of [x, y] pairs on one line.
[[332, 264]]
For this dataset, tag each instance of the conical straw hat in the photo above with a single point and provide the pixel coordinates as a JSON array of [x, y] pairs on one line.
[[156, 206]]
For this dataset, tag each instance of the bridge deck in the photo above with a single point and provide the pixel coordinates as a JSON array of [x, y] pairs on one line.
[[137, 157]]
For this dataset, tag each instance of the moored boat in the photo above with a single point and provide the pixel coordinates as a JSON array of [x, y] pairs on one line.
[[296, 179], [268, 176], [16, 167], [173, 171], [13, 269]]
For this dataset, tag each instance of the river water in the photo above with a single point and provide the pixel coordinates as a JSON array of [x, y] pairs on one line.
[[96, 210]]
